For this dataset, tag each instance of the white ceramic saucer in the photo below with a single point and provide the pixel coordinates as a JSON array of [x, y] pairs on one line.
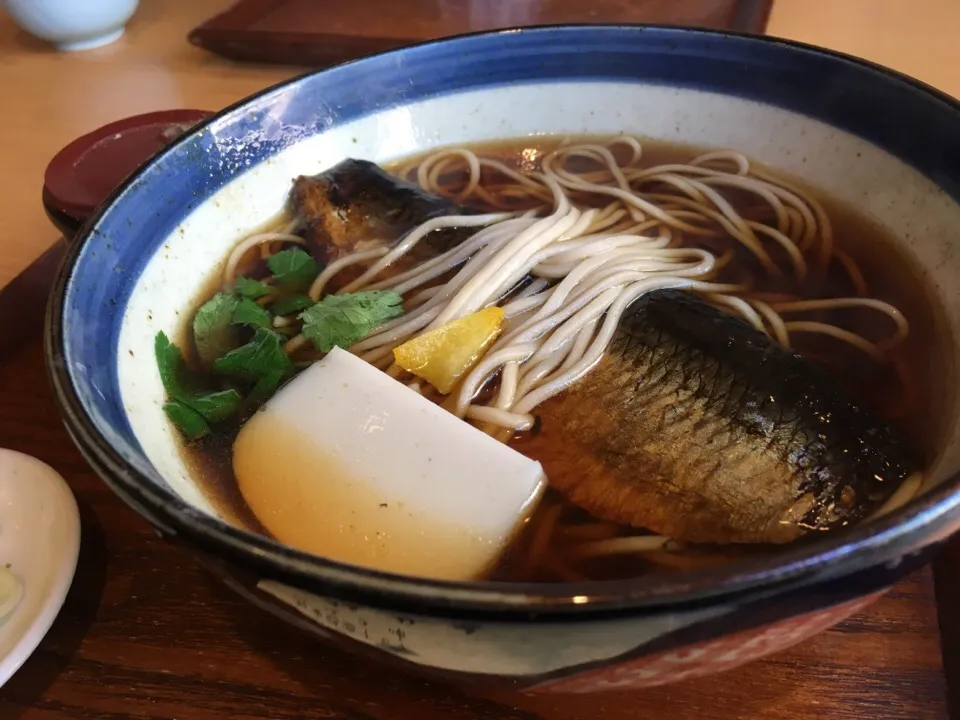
[[39, 541]]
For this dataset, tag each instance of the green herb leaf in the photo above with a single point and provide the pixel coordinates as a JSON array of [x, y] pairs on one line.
[[342, 320], [170, 363], [262, 356], [212, 331], [184, 402], [174, 375], [253, 289], [264, 389], [215, 406], [294, 269], [248, 312], [187, 420], [291, 304]]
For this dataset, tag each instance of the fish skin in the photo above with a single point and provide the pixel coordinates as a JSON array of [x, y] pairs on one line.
[[357, 205], [697, 426]]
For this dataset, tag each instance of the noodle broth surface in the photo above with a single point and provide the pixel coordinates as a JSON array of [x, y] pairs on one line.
[[561, 542]]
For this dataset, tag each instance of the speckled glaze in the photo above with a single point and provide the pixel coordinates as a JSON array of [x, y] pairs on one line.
[[865, 135]]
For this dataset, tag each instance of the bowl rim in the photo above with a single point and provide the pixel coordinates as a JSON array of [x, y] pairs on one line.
[[933, 516]]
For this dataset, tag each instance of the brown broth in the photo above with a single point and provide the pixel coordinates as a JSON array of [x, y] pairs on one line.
[[920, 411]]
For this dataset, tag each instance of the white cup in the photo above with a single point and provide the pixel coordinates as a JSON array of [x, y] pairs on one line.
[[72, 24]]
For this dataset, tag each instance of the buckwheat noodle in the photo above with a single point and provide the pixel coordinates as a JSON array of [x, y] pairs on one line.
[[565, 250]]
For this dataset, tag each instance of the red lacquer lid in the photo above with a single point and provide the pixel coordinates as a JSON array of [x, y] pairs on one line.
[[86, 171]]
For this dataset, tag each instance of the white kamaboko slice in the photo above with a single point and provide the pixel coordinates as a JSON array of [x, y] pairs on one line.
[[347, 463]]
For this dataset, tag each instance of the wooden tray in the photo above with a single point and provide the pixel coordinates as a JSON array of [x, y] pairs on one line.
[[147, 634], [323, 32]]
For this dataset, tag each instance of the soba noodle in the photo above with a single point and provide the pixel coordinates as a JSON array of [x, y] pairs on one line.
[[569, 246], [591, 263]]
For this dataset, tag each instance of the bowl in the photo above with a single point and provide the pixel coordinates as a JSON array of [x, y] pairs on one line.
[[862, 133], [73, 24]]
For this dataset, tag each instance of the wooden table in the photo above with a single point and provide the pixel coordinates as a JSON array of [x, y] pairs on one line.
[[147, 634], [55, 97]]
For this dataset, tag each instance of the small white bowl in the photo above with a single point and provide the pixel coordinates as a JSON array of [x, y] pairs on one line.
[[73, 24], [40, 542]]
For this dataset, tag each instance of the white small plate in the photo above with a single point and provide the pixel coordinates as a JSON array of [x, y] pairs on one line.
[[40, 541]]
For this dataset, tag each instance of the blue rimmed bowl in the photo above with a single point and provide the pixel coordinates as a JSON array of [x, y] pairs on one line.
[[867, 136]]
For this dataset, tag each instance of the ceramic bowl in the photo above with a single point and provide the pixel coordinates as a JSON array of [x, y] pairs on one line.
[[73, 24], [870, 137]]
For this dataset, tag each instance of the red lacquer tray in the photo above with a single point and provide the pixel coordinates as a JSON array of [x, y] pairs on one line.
[[323, 32]]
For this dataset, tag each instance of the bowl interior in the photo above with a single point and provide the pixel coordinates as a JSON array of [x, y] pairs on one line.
[[149, 255]]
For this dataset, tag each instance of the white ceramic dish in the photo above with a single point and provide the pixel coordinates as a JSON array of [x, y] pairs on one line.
[[40, 541], [73, 24]]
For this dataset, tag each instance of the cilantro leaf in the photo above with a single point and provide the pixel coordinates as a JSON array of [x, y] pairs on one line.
[[293, 269], [291, 304], [248, 312], [189, 409], [342, 320], [264, 389], [174, 374], [188, 421], [170, 363], [212, 331], [253, 289], [262, 356], [214, 406]]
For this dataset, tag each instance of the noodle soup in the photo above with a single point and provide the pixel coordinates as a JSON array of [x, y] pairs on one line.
[[569, 238]]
